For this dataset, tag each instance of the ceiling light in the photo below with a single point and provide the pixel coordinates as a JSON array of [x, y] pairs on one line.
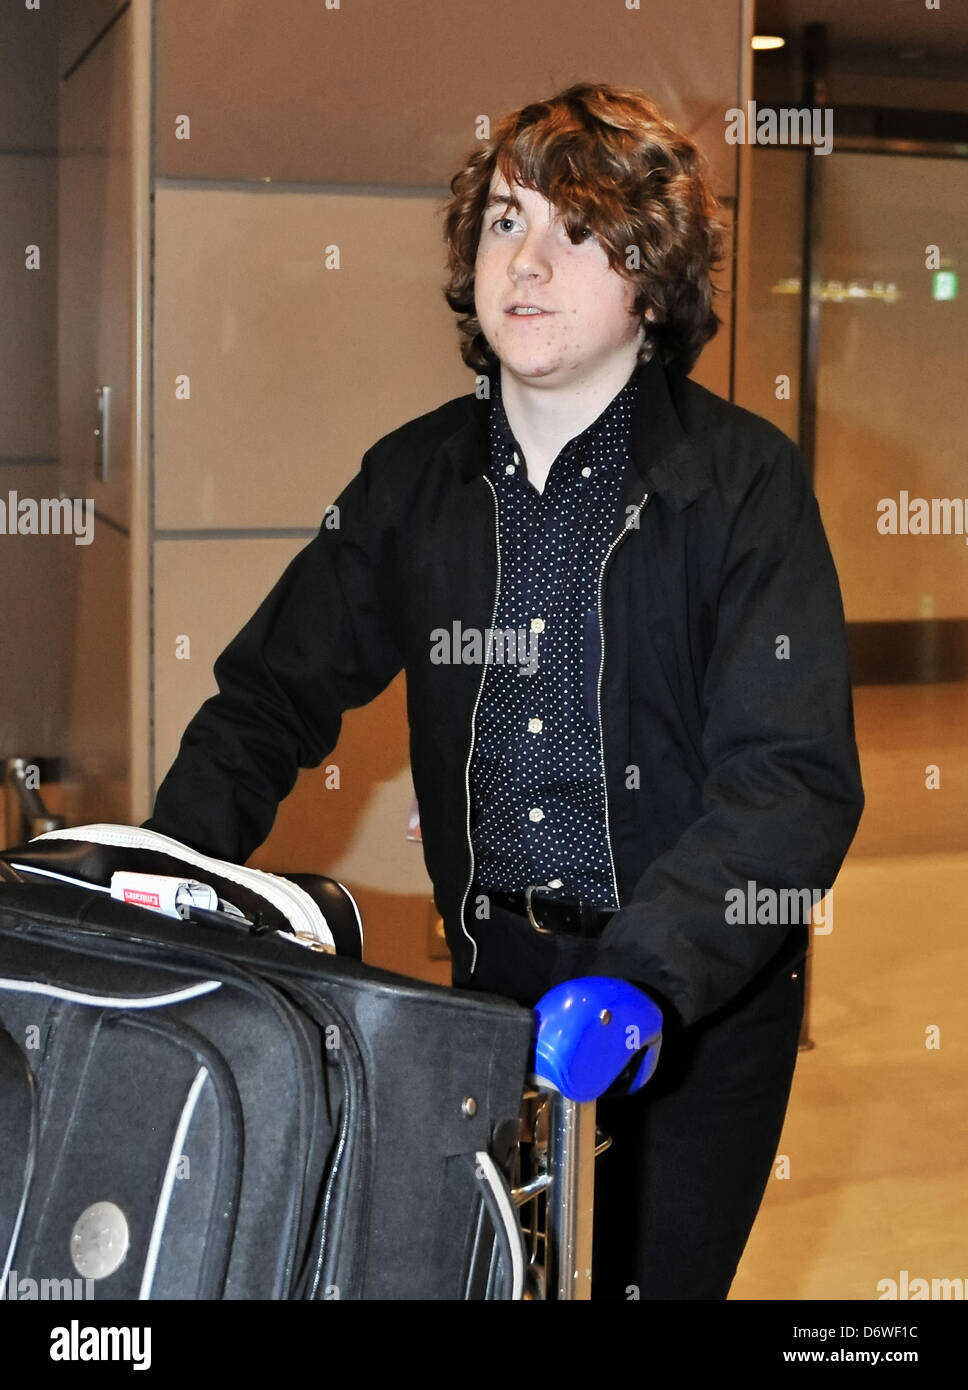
[[764, 41]]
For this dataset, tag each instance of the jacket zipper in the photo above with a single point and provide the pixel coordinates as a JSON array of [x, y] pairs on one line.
[[477, 702], [601, 672]]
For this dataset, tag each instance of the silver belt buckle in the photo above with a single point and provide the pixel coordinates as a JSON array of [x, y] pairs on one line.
[[545, 931]]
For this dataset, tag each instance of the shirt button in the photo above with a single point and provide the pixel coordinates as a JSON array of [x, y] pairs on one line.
[[535, 726], [536, 814], [555, 883], [517, 457], [537, 624], [586, 472], [509, 468]]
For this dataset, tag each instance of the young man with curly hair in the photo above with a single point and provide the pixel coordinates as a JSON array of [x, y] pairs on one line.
[[682, 726]]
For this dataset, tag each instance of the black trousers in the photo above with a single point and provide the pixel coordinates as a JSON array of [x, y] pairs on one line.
[[677, 1193]]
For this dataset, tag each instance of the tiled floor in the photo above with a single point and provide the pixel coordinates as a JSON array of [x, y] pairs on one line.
[[877, 1130]]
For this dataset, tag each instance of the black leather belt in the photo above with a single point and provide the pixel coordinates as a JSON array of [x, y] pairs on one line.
[[547, 912]]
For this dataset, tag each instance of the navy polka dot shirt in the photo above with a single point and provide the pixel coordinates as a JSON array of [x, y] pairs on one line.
[[536, 776]]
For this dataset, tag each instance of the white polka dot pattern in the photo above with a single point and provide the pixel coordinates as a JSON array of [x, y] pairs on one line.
[[539, 799]]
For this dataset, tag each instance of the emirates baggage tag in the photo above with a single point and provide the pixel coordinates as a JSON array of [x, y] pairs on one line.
[[174, 896]]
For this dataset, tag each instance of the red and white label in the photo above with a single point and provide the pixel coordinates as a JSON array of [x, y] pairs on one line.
[[138, 895], [159, 892]]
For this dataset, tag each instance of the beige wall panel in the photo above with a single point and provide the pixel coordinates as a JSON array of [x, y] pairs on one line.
[[892, 409], [28, 347], [378, 93], [712, 368], [205, 591], [97, 776], [95, 268], [372, 756], [28, 91], [295, 369], [34, 620], [78, 24], [282, 376], [355, 831], [768, 319]]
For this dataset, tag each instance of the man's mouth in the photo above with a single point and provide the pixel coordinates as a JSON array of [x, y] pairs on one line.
[[525, 310]]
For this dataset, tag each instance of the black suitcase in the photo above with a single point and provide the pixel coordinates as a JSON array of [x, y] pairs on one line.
[[190, 1111]]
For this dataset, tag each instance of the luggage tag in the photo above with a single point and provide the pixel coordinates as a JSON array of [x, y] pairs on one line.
[[176, 897], [189, 900]]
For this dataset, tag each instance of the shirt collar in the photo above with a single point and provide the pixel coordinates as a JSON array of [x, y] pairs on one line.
[[620, 405], [663, 452]]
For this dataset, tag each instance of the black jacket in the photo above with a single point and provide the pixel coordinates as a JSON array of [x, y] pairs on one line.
[[724, 696]]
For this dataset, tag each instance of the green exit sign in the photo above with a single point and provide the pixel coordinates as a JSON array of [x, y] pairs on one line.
[[944, 285]]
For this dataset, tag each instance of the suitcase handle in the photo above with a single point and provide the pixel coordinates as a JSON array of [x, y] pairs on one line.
[[317, 910], [214, 917]]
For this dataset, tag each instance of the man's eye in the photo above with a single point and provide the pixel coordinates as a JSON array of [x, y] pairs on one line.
[[505, 223]]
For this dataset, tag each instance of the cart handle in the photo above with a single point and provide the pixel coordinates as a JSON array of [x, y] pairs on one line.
[[595, 1034]]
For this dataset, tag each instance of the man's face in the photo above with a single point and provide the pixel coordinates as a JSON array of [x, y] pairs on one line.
[[585, 327]]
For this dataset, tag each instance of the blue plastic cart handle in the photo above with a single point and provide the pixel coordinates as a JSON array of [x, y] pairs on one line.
[[589, 1032]]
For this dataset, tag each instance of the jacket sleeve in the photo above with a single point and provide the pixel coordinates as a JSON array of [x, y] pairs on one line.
[[318, 645], [782, 793]]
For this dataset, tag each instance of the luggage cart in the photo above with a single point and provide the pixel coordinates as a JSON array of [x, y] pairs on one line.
[[593, 1035]]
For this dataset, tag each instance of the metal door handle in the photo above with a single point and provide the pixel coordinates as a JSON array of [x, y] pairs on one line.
[[102, 433]]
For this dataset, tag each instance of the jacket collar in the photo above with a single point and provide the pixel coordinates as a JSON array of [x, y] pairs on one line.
[[663, 454]]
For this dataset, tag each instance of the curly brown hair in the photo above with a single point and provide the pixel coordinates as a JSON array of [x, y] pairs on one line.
[[607, 159]]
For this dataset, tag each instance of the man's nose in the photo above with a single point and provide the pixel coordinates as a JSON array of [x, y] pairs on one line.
[[531, 259]]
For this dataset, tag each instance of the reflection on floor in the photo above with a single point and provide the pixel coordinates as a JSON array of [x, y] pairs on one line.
[[876, 1137]]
